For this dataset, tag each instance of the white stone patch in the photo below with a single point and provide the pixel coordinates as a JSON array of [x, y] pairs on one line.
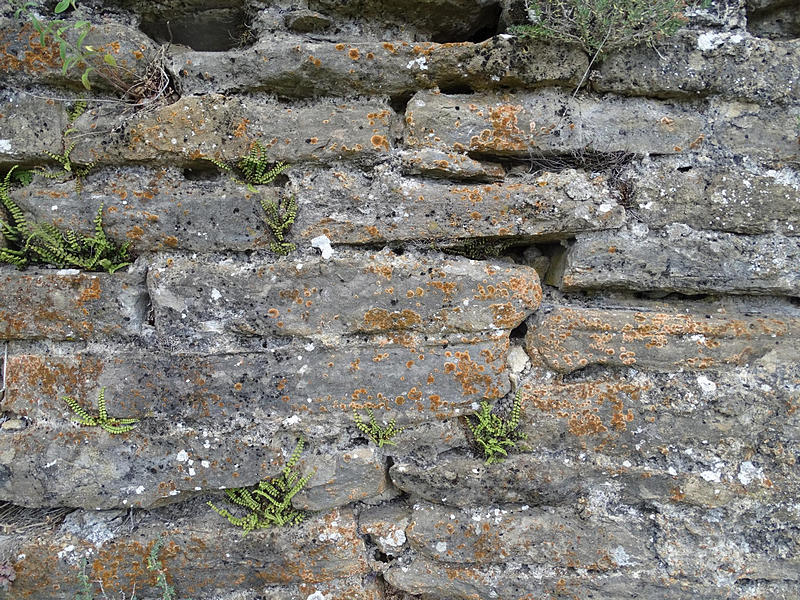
[[293, 420], [397, 538], [205, 464], [215, 294], [622, 558], [317, 596], [604, 208], [5, 145], [192, 472], [323, 244], [139, 490], [711, 476], [182, 456], [421, 62], [706, 385], [65, 551], [748, 472], [441, 546]]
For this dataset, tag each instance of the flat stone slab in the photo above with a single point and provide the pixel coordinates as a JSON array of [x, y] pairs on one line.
[[216, 126], [384, 207], [680, 259], [199, 551], [567, 338], [518, 124], [29, 127], [556, 537], [227, 420], [717, 196], [294, 66], [694, 63], [42, 303], [350, 293]]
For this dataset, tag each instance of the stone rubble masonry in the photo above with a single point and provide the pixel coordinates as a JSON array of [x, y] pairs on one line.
[[624, 258]]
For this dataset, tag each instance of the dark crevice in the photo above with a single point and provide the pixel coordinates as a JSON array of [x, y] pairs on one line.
[[518, 333], [210, 30], [671, 296], [484, 24], [399, 102], [201, 172], [454, 89]]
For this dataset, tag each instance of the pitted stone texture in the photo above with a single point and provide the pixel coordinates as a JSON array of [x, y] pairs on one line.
[[766, 133], [351, 293], [22, 56], [680, 259], [449, 165], [733, 65], [29, 127], [204, 555], [556, 537], [761, 543], [51, 304], [226, 419], [386, 526], [519, 124], [718, 197], [569, 338], [517, 581], [356, 208], [215, 126], [294, 66], [156, 209]]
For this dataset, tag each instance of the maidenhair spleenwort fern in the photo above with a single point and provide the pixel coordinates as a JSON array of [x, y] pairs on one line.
[[253, 169], [495, 435], [43, 243], [379, 434], [270, 501], [112, 425], [279, 218]]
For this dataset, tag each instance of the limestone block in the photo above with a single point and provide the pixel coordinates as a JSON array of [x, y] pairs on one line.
[[680, 259], [294, 66], [223, 127], [717, 196], [42, 303], [350, 293], [531, 535], [29, 127], [204, 555], [227, 419], [697, 63], [22, 57], [386, 526], [570, 338], [352, 208], [449, 165], [767, 133], [524, 123]]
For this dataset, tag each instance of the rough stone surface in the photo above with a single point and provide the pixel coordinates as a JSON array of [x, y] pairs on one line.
[[681, 259], [470, 229]]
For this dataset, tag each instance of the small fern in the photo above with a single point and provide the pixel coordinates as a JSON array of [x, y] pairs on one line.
[[253, 169], [45, 244], [495, 435], [380, 435], [270, 501], [113, 425], [279, 218]]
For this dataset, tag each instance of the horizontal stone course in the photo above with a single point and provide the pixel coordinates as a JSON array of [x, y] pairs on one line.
[[69, 304], [681, 259], [375, 293], [570, 338]]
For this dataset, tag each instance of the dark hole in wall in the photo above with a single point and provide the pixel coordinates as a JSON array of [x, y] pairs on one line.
[[482, 26], [778, 20], [518, 333], [399, 102], [201, 172], [210, 30]]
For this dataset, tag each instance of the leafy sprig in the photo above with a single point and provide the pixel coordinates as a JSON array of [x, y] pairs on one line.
[[279, 217], [495, 435], [379, 434], [270, 501], [113, 425]]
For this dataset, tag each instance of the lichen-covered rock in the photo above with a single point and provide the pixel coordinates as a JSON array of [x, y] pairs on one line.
[[681, 259]]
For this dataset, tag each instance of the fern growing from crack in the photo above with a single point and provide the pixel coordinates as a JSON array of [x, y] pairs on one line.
[[279, 217], [269, 502], [113, 425], [378, 434], [252, 169], [495, 435], [78, 172], [45, 243]]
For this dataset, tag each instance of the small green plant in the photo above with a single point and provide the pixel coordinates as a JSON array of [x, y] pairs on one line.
[[378, 434], [495, 435], [69, 37], [86, 591], [270, 501], [63, 159], [253, 169], [279, 218], [603, 25], [112, 425], [44, 243]]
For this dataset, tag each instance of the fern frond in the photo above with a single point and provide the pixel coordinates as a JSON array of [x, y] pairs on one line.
[[493, 434], [112, 425], [84, 417]]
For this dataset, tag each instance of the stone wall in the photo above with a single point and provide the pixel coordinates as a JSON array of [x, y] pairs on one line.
[[625, 257]]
